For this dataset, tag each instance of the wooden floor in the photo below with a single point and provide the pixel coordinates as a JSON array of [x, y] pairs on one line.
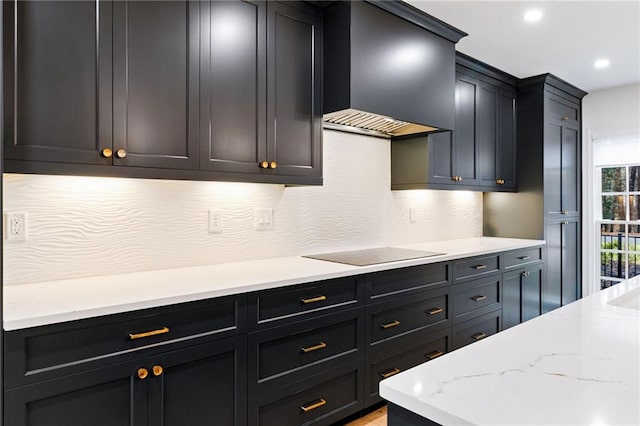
[[374, 418]]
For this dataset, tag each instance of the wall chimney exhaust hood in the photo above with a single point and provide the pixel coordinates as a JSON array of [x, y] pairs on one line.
[[389, 69]]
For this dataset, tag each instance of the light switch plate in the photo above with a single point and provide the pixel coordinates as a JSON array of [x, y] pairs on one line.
[[15, 226], [264, 219]]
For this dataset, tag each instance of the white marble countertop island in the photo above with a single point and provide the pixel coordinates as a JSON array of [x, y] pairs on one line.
[[577, 365], [31, 305]]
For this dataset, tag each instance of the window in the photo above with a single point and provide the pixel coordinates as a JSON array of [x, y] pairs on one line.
[[619, 223]]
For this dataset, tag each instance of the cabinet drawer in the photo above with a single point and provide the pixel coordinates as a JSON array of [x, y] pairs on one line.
[[319, 400], [298, 302], [514, 259], [46, 352], [429, 347], [476, 329], [285, 354], [389, 319], [474, 298], [476, 267], [398, 281]]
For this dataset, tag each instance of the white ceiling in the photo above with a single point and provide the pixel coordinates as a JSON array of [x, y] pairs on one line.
[[566, 42]]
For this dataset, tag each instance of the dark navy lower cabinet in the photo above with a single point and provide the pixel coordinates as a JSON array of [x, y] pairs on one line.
[[198, 385]]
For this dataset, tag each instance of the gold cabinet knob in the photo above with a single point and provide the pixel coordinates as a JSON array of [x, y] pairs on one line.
[[273, 165], [565, 117], [157, 370], [456, 178], [142, 373], [264, 164], [500, 181], [121, 153], [106, 153]]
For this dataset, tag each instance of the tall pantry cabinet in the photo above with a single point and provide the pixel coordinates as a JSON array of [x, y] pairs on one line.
[[548, 202]]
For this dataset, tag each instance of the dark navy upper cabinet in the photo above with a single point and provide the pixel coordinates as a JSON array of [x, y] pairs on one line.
[[155, 84], [480, 152], [215, 90], [57, 81], [294, 97], [233, 86]]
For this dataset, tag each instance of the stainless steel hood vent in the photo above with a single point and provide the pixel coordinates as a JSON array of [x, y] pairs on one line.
[[388, 69], [354, 121]]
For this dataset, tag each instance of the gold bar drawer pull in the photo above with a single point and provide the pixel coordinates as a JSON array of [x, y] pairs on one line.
[[390, 373], [524, 257], [312, 406], [434, 311], [320, 345], [134, 336], [313, 300], [478, 298], [480, 267], [478, 336], [390, 324], [434, 354]]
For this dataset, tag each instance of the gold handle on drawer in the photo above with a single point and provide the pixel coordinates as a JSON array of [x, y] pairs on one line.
[[312, 406], [478, 298], [320, 345], [480, 267], [313, 300], [478, 336], [135, 336], [390, 373], [157, 370], [390, 324], [434, 354], [565, 117], [142, 373], [500, 181], [434, 311], [524, 257]]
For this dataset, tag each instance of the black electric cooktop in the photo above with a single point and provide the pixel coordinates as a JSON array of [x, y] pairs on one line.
[[373, 256]]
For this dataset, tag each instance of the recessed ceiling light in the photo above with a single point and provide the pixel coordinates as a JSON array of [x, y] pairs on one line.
[[533, 15], [601, 63]]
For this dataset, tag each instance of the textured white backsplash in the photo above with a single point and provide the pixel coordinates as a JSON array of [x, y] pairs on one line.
[[84, 226]]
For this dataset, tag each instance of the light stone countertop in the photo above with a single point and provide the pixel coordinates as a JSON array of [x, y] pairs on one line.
[[30, 305], [577, 365]]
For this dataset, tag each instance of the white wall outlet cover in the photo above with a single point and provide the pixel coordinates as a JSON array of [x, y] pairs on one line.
[[264, 219], [413, 215], [215, 221], [15, 226]]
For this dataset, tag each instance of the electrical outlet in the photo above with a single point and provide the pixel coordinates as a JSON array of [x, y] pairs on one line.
[[15, 226], [264, 219], [413, 215], [215, 221]]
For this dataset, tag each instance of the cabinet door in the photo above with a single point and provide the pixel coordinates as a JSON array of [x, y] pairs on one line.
[[233, 86], [562, 156], [57, 81], [464, 163], [487, 134], [440, 156], [294, 111], [531, 293], [112, 396], [511, 299], [562, 264], [201, 385], [156, 83], [506, 152]]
